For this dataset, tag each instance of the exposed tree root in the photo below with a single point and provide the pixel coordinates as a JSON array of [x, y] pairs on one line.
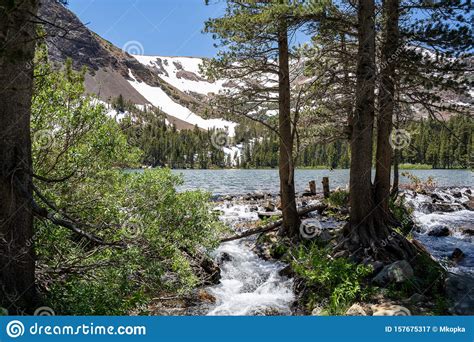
[[377, 241]]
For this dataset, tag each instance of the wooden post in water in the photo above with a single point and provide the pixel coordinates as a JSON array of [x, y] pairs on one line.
[[326, 186], [312, 187]]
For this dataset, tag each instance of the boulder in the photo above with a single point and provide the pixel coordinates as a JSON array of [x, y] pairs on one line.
[[469, 204], [417, 298], [356, 310], [211, 269], [460, 292], [376, 265], [287, 272], [468, 232], [437, 198], [224, 257], [259, 195], [269, 206], [429, 208], [390, 310], [397, 272], [439, 231], [457, 255], [253, 208], [205, 296], [317, 311]]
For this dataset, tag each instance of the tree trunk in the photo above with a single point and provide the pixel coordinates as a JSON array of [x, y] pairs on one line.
[[363, 119], [396, 174], [17, 259], [291, 220], [386, 106], [368, 234]]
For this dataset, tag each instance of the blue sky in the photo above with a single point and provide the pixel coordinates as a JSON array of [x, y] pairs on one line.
[[161, 27]]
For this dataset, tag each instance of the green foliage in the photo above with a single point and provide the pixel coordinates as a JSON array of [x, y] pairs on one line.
[[429, 275], [164, 145], [402, 214], [443, 145], [79, 153], [338, 198], [337, 279]]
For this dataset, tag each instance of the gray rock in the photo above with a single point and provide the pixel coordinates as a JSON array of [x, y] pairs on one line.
[[469, 204], [356, 310], [437, 198], [439, 231], [376, 265], [224, 257], [460, 292], [468, 232], [390, 310], [253, 208], [428, 208], [397, 272], [287, 272], [317, 311], [417, 299], [269, 206], [457, 255]]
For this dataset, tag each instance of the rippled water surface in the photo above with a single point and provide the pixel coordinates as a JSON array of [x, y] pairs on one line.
[[220, 182]]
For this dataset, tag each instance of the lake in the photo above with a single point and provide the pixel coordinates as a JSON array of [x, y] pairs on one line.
[[239, 181]]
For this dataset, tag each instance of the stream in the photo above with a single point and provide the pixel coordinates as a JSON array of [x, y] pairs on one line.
[[444, 224], [249, 284]]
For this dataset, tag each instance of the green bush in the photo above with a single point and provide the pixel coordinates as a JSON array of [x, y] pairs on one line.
[[338, 280], [338, 198], [402, 214], [156, 232]]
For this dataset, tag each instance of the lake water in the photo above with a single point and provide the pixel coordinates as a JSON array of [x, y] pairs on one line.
[[220, 182]]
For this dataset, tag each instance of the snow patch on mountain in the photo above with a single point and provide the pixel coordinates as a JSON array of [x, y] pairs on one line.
[[160, 99], [182, 73]]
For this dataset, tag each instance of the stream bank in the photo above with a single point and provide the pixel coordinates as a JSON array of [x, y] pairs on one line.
[[256, 278]]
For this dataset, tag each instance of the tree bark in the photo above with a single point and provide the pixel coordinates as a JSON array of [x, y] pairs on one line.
[[386, 106], [291, 219], [396, 174], [17, 259], [363, 119], [368, 233]]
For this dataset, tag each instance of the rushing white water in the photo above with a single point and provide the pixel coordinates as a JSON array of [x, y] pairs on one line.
[[444, 210], [253, 286], [249, 284]]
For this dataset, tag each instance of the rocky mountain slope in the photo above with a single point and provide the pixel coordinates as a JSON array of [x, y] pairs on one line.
[[171, 84]]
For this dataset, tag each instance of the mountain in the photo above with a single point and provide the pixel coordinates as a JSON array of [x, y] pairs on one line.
[[172, 84]]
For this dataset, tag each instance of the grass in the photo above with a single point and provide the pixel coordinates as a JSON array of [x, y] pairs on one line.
[[415, 167]]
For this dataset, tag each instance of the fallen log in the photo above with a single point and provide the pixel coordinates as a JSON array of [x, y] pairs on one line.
[[273, 225]]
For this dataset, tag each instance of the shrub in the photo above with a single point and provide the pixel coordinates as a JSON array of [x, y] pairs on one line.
[[156, 232], [337, 279], [338, 198], [402, 214]]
